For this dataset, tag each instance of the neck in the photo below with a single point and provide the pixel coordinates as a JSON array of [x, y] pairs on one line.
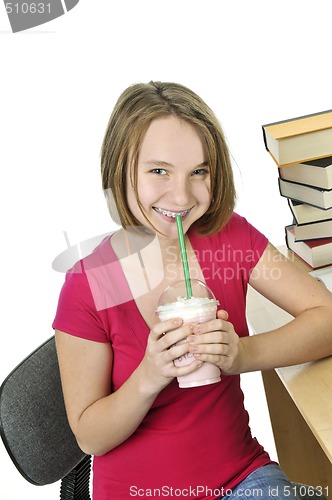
[[170, 249], [126, 243]]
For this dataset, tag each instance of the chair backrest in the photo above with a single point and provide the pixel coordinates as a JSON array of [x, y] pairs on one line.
[[33, 421]]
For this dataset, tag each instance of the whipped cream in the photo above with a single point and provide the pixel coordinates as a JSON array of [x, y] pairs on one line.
[[193, 309]]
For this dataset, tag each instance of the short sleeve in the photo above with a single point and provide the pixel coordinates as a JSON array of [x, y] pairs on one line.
[[76, 312], [248, 239]]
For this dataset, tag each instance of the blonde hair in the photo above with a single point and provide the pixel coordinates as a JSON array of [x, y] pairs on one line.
[[134, 111]]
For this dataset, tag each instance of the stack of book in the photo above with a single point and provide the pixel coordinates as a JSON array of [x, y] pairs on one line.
[[302, 149]]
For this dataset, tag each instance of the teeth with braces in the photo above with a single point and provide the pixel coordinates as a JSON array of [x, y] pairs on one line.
[[172, 214]]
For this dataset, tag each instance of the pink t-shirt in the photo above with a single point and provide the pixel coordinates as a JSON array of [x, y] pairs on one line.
[[193, 442]]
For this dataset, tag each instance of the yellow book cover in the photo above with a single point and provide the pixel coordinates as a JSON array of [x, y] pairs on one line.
[[299, 139]]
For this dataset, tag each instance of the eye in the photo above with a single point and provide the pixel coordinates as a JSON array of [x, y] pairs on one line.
[[159, 171], [200, 171]]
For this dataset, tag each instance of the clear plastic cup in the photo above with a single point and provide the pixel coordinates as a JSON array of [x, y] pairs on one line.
[[201, 307]]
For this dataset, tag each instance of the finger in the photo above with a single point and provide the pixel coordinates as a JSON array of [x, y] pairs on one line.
[[212, 326], [222, 314], [216, 337], [210, 350], [175, 336], [215, 343], [185, 370], [159, 329], [178, 350]]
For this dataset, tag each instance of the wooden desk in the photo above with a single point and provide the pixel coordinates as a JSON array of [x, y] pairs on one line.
[[300, 404]]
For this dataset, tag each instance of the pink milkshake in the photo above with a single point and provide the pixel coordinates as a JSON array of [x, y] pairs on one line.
[[201, 307]]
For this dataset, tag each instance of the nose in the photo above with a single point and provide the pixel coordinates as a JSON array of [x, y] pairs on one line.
[[180, 193]]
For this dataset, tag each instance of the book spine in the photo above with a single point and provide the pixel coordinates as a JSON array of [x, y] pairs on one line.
[[295, 221], [287, 229], [264, 138]]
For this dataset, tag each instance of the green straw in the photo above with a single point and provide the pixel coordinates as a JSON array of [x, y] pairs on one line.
[[184, 256]]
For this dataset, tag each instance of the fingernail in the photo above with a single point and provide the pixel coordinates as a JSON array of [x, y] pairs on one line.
[[191, 338]]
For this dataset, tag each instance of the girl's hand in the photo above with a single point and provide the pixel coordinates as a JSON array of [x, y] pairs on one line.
[[161, 351], [217, 342]]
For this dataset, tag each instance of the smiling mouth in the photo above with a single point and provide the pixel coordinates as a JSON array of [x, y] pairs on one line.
[[169, 213]]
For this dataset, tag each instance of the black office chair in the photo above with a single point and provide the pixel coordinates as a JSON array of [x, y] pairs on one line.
[[36, 433], [34, 426]]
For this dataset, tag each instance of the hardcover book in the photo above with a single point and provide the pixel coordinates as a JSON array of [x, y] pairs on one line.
[[316, 173], [316, 253], [299, 139], [304, 213], [313, 230], [321, 198]]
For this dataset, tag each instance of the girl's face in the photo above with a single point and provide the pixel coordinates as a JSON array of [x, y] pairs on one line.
[[172, 177]]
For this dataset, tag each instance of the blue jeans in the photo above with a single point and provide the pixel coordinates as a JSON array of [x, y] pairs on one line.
[[270, 483]]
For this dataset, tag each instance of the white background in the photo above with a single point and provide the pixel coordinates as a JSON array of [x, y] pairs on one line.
[[253, 62]]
